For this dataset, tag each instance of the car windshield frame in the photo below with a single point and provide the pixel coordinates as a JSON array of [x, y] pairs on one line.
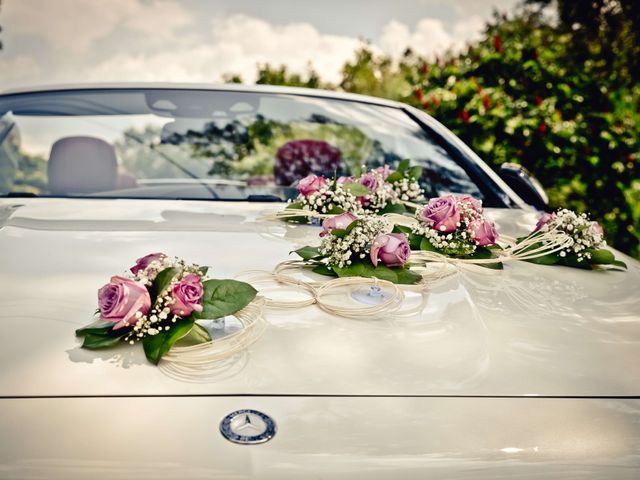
[[493, 194]]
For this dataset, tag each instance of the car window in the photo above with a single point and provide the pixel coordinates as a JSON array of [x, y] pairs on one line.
[[205, 144]]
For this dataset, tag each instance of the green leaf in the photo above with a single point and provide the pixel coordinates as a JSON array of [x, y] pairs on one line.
[[403, 165], [402, 229], [322, 269], [99, 326], [339, 232], [602, 257], [204, 270], [356, 189], [224, 297], [620, 264], [407, 277], [415, 172], [163, 279], [155, 346], [395, 177], [296, 206], [549, 259], [307, 253], [393, 208], [94, 341], [415, 241], [426, 245], [197, 335]]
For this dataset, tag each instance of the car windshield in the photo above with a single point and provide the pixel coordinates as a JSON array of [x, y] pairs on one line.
[[199, 144]]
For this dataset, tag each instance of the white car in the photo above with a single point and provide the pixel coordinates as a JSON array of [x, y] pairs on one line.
[[530, 373]]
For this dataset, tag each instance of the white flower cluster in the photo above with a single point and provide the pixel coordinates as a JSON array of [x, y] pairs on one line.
[[327, 200], [340, 251], [585, 234], [379, 197], [159, 317], [458, 242], [408, 190]]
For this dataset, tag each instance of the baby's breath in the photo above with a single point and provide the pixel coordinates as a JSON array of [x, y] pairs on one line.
[[356, 244], [584, 236]]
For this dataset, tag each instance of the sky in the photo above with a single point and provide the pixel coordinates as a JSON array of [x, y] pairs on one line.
[[49, 42]]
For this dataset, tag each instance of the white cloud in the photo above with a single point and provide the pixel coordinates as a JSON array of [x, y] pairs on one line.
[[236, 44], [18, 68], [74, 25], [430, 36], [159, 40]]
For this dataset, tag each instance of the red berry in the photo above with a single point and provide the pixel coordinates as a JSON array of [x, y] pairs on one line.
[[464, 115], [426, 105], [486, 102], [542, 128], [425, 69], [538, 100], [435, 100], [497, 43], [419, 94]]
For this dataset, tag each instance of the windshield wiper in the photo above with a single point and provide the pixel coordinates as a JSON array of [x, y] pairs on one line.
[[264, 198]]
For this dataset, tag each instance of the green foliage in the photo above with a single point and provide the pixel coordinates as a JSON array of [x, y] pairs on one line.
[[561, 98], [521, 95]]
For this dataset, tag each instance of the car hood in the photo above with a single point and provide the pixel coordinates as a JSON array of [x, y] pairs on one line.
[[527, 330]]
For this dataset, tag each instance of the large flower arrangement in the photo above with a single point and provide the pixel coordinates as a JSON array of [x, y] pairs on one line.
[[377, 191], [455, 226], [158, 304], [353, 246], [585, 245]]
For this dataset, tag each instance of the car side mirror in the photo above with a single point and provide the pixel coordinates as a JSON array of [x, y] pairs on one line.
[[525, 185]]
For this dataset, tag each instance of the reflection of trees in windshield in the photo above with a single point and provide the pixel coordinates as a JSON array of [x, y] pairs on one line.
[[238, 150]]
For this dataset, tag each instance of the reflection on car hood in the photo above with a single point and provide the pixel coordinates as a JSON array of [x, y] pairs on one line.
[[528, 330]]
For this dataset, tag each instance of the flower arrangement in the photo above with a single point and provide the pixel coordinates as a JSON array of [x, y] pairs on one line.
[[377, 191], [585, 246], [365, 246], [158, 304], [455, 226]]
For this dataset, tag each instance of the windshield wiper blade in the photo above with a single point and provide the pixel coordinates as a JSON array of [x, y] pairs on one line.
[[264, 198]]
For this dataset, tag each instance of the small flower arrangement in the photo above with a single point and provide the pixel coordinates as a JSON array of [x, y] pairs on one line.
[[353, 246], [158, 304], [455, 226], [586, 245], [377, 191]]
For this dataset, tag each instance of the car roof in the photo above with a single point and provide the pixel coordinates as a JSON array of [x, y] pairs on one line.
[[229, 87]]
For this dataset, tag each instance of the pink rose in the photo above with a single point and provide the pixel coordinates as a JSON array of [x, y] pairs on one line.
[[596, 229], [145, 261], [544, 219], [483, 232], [442, 214], [344, 180], [121, 299], [187, 295], [341, 222], [391, 248], [385, 171], [474, 203], [310, 184], [370, 181]]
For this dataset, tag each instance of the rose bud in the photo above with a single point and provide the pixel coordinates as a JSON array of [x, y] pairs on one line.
[[596, 229], [344, 180], [544, 219], [384, 171], [475, 204], [186, 295], [145, 261], [370, 181], [483, 232], [442, 213], [341, 222], [121, 299], [310, 184], [390, 248]]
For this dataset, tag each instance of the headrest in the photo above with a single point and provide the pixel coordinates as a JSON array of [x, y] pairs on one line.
[[299, 158], [82, 165]]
